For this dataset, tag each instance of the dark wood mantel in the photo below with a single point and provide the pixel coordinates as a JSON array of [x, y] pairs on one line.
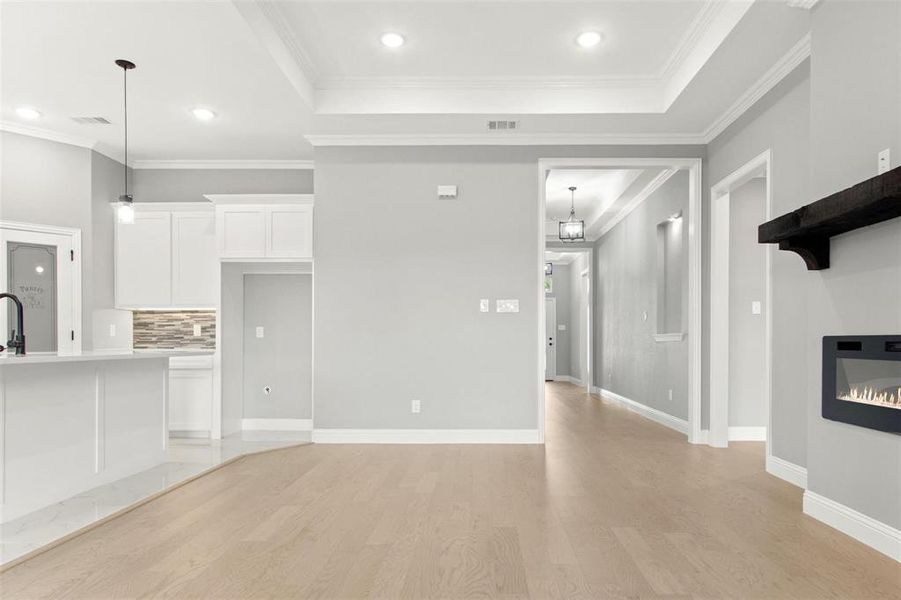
[[807, 230]]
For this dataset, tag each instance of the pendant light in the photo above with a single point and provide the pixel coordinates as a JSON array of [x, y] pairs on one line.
[[125, 209], [572, 230]]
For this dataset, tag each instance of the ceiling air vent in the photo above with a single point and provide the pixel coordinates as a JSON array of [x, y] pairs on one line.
[[502, 125], [91, 120]]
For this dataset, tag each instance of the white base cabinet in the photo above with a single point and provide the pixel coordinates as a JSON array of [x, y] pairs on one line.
[[190, 395]]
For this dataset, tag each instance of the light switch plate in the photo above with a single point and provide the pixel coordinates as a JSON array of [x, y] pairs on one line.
[[756, 307], [884, 161], [484, 305], [415, 406], [260, 332], [112, 330], [447, 192], [508, 305], [561, 327], [197, 330]]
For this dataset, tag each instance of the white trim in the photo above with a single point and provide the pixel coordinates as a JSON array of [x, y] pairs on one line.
[[669, 337], [873, 533], [785, 65], [635, 202], [277, 424], [46, 134], [173, 207], [788, 471], [260, 198], [569, 379], [804, 4], [505, 139], [426, 436], [747, 434], [224, 164], [718, 299], [647, 412]]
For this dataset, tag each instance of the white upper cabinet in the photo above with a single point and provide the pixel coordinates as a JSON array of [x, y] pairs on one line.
[[167, 257], [144, 261], [264, 226], [194, 264]]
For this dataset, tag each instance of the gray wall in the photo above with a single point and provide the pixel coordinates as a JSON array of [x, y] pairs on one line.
[[854, 113], [50, 183], [747, 283], [562, 283], [190, 185], [399, 276], [283, 358], [779, 122], [627, 359]]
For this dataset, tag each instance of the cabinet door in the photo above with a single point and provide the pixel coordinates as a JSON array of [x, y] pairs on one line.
[[194, 264], [290, 232], [190, 399], [242, 231], [144, 261]]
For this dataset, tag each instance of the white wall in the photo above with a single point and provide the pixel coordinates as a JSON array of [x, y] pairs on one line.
[[747, 283], [190, 185]]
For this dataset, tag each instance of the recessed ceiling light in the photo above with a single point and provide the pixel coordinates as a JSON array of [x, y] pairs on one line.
[[589, 39], [392, 40], [203, 114], [26, 112]]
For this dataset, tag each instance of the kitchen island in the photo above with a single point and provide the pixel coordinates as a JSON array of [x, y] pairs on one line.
[[69, 423]]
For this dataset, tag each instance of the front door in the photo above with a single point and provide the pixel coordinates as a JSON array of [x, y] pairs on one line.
[[550, 327]]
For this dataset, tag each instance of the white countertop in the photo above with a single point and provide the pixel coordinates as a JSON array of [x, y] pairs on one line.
[[8, 360]]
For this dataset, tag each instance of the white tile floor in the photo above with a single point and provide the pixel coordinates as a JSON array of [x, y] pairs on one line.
[[186, 458]]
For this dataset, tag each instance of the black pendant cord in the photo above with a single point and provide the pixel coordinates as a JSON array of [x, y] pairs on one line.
[[125, 103]]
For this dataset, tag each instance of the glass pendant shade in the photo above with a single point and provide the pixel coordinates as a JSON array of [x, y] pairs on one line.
[[125, 210], [572, 230]]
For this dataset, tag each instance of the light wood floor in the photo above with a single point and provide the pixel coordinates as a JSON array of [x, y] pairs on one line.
[[614, 506]]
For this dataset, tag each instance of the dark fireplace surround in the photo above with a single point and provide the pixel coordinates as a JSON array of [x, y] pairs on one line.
[[862, 381]]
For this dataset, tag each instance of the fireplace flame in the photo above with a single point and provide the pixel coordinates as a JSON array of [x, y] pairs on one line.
[[869, 395]]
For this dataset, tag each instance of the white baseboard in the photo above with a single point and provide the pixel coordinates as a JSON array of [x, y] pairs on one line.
[[426, 436], [569, 379], [873, 533], [277, 424], [788, 471], [653, 414], [747, 434]]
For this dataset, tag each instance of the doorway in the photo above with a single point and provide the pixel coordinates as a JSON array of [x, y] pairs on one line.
[[740, 307], [550, 352], [41, 265]]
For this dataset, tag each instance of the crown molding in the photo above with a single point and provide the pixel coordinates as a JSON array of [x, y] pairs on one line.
[[805, 4], [224, 164], [505, 139], [46, 134], [785, 65], [269, 25]]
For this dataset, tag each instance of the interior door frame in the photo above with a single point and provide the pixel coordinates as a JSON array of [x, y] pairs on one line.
[[695, 240], [719, 299], [73, 236], [553, 301]]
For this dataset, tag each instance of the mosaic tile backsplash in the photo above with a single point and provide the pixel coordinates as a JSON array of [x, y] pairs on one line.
[[157, 329]]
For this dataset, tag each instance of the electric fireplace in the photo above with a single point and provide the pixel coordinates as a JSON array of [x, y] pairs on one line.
[[862, 381]]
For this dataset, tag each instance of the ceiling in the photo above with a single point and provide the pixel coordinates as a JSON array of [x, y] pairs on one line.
[[281, 76], [597, 191], [561, 258]]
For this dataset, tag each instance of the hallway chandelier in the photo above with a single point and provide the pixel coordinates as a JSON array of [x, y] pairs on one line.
[[572, 230], [125, 208]]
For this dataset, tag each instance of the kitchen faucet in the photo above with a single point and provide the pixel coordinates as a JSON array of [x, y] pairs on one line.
[[16, 341]]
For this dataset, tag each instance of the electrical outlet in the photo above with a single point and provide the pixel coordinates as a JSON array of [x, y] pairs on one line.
[[196, 330], [644, 315], [756, 308], [260, 332], [884, 161], [669, 395], [112, 330], [415, 406], [484, 305]]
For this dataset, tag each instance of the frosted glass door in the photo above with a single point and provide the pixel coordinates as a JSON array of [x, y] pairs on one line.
[[32, 277]]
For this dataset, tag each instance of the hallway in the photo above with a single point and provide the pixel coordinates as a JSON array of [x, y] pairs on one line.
[[613, 506]]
